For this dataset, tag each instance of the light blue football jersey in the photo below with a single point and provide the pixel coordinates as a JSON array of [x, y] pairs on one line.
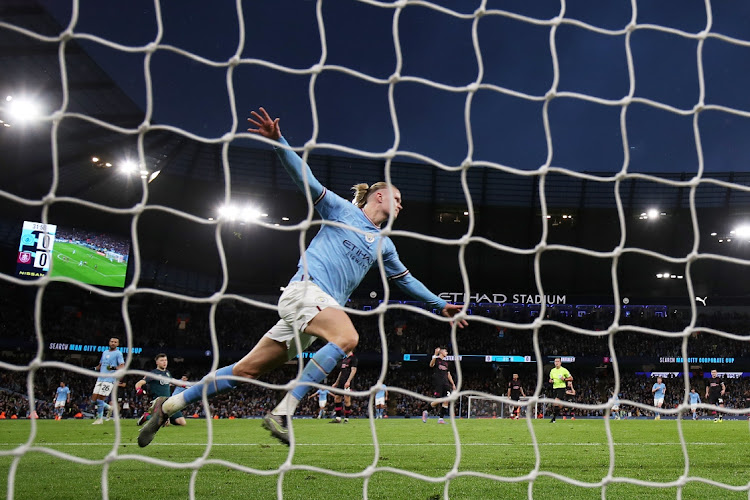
[[338, 258], [109, 363]]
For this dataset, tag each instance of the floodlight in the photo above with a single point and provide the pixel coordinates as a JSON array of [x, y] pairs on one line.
[[652, 213], [127, 166], [742, 231], [24, 110]]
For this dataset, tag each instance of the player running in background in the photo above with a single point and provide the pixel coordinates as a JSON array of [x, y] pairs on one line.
[[616, 406], [695, 400], [559, 378], [62, 397], [442, 383], [311, 305], [659, 390], [515, 392], [381, 398], [111, 361], [346, 375], [715, 390], [158, 387], [322, 401]]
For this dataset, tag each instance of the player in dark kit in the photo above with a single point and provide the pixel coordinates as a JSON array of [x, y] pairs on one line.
[[157, 388], [515, 392], [715, 390], [346, 375], [442, 383]]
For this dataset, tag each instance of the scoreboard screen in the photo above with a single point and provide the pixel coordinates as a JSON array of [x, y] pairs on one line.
[[35, 249], [83, 255]]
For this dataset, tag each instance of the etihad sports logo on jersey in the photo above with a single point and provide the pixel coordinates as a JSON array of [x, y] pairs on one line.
[[24, 257], [358, 255]]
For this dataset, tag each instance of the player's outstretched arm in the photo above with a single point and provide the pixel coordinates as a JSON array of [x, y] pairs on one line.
[[416, 289], [451, 310], [293, 164]]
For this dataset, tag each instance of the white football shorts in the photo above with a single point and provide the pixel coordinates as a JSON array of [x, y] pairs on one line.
[[103, 388], [658, 402], [380, 401], [300, 302]]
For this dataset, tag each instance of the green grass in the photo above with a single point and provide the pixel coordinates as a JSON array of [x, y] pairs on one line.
[[244, 461], [106, 273]]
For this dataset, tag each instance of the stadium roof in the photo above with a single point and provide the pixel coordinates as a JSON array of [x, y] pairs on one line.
[[100, 120]]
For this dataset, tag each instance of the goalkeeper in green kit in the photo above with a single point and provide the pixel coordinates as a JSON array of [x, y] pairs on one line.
[[559, 378], [158, 387]]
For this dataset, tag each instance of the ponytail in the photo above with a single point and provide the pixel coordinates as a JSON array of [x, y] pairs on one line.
[[362, 192]]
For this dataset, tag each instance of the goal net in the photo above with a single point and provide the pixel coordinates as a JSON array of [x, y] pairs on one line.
[[533, 140], [484, 407]]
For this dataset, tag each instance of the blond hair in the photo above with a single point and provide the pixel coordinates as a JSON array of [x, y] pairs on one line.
[[362, 192]]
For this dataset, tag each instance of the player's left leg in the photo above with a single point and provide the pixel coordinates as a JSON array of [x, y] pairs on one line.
[[338, 409], [443, 412], [347, 408], [177, 419]]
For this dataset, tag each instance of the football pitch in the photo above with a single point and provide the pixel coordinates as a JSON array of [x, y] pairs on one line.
[[98, 270], [495, 459]]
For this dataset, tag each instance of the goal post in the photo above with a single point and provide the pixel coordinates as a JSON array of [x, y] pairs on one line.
[[491, 407]]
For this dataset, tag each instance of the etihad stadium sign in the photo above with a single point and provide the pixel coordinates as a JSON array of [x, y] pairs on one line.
[[502, 298]]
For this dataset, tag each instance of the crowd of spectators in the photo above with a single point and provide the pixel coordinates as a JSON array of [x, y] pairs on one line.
[[96, 241], [252, 400], [72, 315]]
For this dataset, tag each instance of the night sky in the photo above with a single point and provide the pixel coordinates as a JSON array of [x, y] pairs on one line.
[[505, 127]]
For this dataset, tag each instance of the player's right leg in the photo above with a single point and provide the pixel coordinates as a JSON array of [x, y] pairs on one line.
[[157, 420], [265, 356], [96, 407]]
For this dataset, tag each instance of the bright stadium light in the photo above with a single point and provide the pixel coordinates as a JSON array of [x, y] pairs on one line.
[[228, 212], [128, 166], [250, 213], [660, 275], [23, 109], [652, 213], [285, 218], [95, 159], [742, 231], [713, 234]]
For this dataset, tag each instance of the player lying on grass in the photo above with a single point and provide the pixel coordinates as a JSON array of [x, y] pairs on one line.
[[333, 265]]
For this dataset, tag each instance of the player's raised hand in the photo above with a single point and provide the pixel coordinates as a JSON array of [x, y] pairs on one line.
[[451, 310], [266, 126], [437, 351]]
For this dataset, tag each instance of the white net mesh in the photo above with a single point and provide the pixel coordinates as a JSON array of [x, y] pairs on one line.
[[467, 93]]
